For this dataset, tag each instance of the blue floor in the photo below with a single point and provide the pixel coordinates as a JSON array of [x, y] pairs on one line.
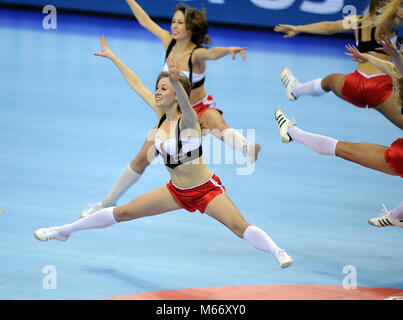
[[70, 124]]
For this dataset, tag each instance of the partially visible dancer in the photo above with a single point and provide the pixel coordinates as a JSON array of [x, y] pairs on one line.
[[186, 43], [192, 186], [385, 159], [388, 217], [367, 86]]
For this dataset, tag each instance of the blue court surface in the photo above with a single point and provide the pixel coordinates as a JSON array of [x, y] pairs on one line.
[[70, 124]]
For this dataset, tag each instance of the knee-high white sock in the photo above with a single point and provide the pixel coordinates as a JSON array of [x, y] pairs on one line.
[[259, 239], [397, 213], [312, 88], [321, 144], [234, 139], [98, 220], [127, 178]]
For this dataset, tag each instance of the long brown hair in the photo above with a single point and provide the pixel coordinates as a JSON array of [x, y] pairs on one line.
[[196, 21], [184, 81]]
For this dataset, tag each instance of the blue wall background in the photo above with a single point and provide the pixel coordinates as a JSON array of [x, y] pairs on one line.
[[265, 13]]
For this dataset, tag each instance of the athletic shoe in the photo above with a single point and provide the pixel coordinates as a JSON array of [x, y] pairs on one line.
[[385, 220], [283, 258], [92, 209], [289, 81], [52, 233], [283, 124]]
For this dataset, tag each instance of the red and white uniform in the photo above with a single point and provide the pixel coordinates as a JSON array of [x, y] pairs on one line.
[[197, 197], [394, 156], [364, 90], [205, 104]]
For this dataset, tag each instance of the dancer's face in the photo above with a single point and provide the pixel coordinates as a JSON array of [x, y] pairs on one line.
[[165, 95], [178, 26]]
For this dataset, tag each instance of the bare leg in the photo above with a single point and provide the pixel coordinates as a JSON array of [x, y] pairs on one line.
[[151, 203], [224, 210], [366, 154], [392, 110], [334, 82]]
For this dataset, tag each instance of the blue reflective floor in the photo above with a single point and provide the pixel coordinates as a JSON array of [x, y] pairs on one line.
[[70, 124]]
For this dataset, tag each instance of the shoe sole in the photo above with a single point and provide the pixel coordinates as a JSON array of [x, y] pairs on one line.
[[287, 264]]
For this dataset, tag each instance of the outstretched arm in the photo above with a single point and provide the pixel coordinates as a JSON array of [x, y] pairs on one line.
[[383, 65], [146, 22], [189, 116], [202, 55], [392, 51], [324, 27], [131, 78]]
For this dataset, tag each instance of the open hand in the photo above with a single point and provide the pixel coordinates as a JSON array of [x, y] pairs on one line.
[[106, 52], [388, 46], [289, 30], [357, 56], [173, 68]]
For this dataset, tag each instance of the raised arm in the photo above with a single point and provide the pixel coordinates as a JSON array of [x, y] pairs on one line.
[[392, 51], [324, 27], [131, 78], [146, 22], [189, 116], [383, 65], [202, 55]]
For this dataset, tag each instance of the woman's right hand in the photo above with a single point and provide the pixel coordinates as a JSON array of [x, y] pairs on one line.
[[106, 52], [289, 30], [355, 54]]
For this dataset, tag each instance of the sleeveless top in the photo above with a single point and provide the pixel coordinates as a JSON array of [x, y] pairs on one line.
[[177, 151], [196, 79]]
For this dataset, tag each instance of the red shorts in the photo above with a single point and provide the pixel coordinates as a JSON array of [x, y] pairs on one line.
[[198, 197], [205, 104], [394, 156], [364, 91]]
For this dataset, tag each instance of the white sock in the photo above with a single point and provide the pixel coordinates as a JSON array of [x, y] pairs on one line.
[[321, 144], [234, 139], [397, 213], [312, 88], [127, 178], [259, 239], [98, 220]]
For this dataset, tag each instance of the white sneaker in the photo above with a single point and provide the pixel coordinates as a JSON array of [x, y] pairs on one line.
[[385, 220], [283, 124], [289, 81], [52, 233], [283, 258], [92, 209]]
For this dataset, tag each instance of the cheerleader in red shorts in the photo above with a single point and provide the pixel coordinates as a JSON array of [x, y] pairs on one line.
[[192, 187], [385, 159], [186, 43], [367, 86]]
